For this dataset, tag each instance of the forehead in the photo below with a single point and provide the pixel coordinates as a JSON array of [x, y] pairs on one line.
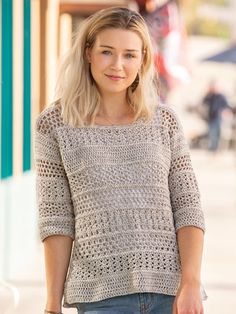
[[119, 38]]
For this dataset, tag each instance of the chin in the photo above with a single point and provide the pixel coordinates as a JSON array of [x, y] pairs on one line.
[[118, 91], [114, 90]]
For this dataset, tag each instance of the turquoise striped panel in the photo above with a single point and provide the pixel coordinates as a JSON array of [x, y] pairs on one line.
[[6, 92], [27, 91]]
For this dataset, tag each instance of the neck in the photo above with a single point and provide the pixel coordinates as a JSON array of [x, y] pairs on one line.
[[114, 106]]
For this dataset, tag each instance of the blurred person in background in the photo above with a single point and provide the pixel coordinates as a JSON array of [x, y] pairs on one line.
[[168, 36], [119, 208], [217, 112]]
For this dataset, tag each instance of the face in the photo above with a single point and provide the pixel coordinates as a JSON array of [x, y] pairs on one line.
[[115, 59]]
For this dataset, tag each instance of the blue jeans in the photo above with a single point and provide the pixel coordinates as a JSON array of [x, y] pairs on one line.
[[137, 303], [214, 134]]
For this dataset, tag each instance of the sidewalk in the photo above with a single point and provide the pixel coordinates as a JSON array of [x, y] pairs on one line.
[[217, 180]]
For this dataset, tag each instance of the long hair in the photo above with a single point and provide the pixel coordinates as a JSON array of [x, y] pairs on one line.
[[79, 97]]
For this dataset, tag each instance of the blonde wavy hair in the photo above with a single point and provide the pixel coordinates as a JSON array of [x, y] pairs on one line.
[[78, 96]]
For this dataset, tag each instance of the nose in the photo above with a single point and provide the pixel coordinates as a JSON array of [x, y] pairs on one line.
[[117, 63]]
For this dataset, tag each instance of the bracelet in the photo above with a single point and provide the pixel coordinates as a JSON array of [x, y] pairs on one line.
[[51, 312]]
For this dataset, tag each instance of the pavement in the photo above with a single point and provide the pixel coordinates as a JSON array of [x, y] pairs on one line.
[[216, 175]]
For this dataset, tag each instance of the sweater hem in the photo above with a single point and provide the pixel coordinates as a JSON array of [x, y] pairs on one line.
[[135, 282]]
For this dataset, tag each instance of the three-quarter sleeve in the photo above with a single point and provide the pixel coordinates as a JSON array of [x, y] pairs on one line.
[[54, 204], [183, 186]]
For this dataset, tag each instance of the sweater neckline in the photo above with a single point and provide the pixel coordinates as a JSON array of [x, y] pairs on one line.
[[115, 126]]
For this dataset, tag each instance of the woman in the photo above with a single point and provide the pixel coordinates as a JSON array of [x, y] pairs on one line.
[[114, 179]]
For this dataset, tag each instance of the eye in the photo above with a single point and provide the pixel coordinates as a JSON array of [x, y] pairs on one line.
[[130, 55], [106, 52]]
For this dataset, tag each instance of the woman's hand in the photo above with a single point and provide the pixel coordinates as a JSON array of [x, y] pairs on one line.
[[188, 300]]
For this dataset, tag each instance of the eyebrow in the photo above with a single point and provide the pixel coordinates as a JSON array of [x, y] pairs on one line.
[[105, 46]]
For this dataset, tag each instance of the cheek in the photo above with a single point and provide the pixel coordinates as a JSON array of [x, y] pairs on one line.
[[133, 65], [99, 62], [133, 68]]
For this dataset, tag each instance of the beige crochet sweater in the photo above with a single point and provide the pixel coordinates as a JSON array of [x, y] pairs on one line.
[[121, 192]]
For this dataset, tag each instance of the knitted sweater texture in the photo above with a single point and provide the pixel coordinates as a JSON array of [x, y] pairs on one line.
[[121, 192]]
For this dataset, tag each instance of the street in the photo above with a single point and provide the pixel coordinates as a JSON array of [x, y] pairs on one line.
[[217, 180]]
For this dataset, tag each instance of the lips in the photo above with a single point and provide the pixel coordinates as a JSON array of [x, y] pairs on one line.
[[114, 77]]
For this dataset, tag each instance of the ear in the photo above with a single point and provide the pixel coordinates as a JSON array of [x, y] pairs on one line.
[[88, 54]]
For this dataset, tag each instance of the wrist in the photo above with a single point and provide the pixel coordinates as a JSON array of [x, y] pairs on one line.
[[190, 281], [51, 312], [52, 306]]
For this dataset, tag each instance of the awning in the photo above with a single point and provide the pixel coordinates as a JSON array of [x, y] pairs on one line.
[[227, 56]]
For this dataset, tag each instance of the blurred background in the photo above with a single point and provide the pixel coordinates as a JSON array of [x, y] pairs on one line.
[[194, 44]]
